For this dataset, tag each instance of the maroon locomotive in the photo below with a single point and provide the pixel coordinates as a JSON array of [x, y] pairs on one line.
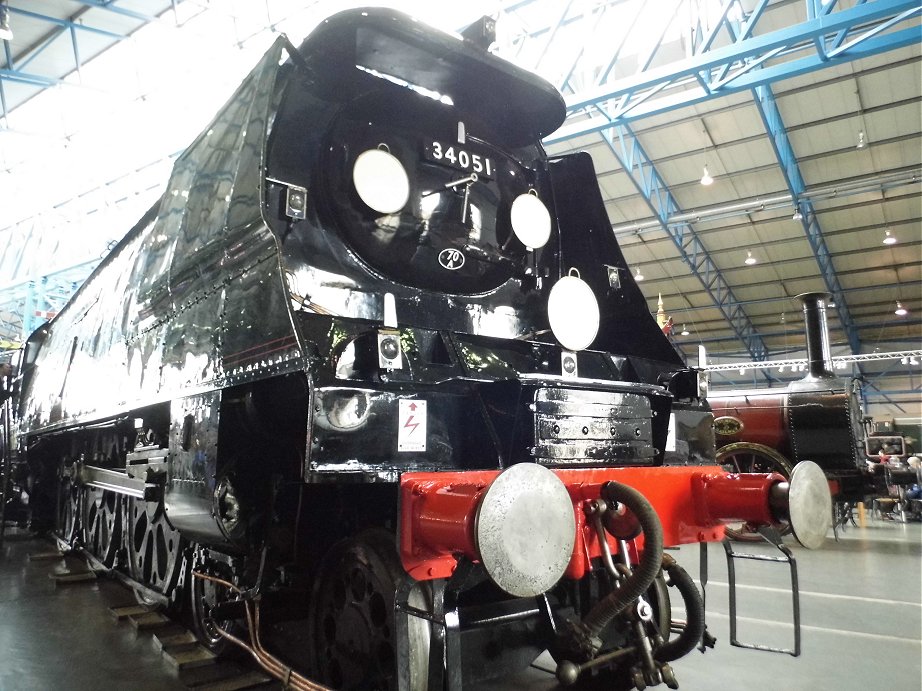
[[816, 418]]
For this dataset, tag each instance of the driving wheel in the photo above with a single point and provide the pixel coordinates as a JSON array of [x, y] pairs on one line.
[[101, 524], [68, 512], [353, 642], [154, 548]]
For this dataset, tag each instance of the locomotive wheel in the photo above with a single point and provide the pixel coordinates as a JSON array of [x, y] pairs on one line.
[[747, 457], [68, 520], [206, 595], [101, 525], [154, 548], [351, 622]]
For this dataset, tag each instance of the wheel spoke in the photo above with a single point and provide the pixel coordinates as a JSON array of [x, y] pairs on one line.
[[154, 547], [206, 595], [101, 524], [69, 512]]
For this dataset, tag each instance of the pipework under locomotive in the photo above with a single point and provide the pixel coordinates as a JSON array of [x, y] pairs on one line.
[[376, 357]]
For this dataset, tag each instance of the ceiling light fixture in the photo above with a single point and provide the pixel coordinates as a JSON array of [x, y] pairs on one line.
[[889, 239], [797, 215], [900, 311], [638, 276], [862, 141], [6, 33], [684, 331], [750, 260], [706, 178]]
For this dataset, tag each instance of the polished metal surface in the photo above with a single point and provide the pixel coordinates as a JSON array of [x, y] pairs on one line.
[[810, 504], [582, 426], [525, 529], [191, 299], [189, 498]]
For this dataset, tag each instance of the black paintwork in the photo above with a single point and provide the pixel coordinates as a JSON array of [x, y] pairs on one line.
[[240, 335]]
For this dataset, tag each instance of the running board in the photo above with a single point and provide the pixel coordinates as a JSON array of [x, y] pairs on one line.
[[148, 488], [773, 537]]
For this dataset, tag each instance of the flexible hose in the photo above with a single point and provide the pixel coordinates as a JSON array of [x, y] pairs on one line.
[[686, 641], [274, 666], [650, 560]]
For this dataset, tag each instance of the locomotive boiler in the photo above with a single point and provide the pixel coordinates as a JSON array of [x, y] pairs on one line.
[[817, 418], [371, 387]]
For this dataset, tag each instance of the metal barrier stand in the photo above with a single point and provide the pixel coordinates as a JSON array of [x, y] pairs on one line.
[[773, 537]]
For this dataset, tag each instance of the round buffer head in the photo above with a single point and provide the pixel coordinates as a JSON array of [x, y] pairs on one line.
[[810, 504], [525, 529]]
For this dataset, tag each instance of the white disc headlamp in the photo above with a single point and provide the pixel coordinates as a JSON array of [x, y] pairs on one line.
[[381, 180], [573, 312], [531, 221]]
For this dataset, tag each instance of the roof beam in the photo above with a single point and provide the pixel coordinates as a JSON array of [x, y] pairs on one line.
[[784, 151], [637, 164], [728, 69], [110, 6], [67, 24], [623, 144], [36, 299]]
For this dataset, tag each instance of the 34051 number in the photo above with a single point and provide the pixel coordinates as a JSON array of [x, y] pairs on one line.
[[462, 159]]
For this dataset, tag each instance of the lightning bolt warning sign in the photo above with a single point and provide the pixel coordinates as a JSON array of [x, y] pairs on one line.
[[411, 426]]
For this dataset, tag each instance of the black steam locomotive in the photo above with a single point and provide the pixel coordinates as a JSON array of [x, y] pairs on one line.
[[371, 386]]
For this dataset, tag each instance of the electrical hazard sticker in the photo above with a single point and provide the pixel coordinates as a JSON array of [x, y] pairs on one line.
[[411, 426], [670, 434]]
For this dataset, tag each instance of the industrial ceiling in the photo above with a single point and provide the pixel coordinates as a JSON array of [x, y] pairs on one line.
[[806, 114]]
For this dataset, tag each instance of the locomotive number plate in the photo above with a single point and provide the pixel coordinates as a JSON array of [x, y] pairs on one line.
[[459, 158]]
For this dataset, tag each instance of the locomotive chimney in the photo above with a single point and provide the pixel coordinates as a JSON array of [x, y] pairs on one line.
[[819, 357]]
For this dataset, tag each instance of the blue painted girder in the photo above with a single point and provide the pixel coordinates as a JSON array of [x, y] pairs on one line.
[[771, 117], [729, 69], [627, 149]]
